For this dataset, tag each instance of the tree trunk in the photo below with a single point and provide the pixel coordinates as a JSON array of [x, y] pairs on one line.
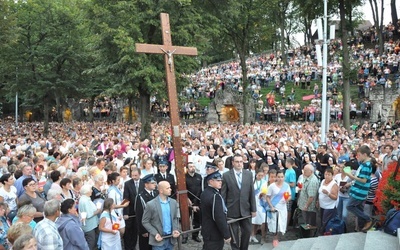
[[378, 27], [306, 30], [130, 118], [46, 114], [283, 47], [91, 105], [59, 110], [144, 114], [394, 16], [351, 21], [345, 66], [381, 29], [245, 82]]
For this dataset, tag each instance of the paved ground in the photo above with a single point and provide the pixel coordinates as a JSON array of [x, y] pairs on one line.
[[291, 234]]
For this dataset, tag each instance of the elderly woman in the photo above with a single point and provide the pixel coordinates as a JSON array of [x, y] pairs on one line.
[[25, 214], [31, 194], [98, 194], [91, 220], [69, 226], [328, 194], [17, 230], [25, 242], [54, 195], [76, 188]]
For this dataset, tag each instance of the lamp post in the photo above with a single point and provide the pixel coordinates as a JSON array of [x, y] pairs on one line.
[[325, 116], [322, 33]]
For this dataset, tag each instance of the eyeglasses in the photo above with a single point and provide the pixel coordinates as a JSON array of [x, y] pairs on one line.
[[32, 184]]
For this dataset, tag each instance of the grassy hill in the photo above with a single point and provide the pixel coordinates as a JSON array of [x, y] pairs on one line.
[[299, 93]]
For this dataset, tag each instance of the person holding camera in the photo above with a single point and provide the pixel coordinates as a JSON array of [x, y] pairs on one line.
[[344, 183]]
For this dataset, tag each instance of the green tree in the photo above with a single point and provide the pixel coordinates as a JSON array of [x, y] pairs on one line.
[[119, 25], [45, 53], [244, 26]]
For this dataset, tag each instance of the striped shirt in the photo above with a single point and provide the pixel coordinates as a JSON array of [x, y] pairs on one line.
[[359, 190], [372, 189]]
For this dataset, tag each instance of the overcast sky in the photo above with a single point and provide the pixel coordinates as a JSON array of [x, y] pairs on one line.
[[366, 9], [387, 12]]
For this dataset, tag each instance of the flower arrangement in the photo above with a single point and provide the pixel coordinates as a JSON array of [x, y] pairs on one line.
[[388, 192]]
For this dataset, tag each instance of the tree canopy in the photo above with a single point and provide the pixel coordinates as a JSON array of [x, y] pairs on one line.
[[55, 50]]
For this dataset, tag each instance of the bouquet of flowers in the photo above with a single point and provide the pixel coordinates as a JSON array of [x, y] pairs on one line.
[[388, 192]]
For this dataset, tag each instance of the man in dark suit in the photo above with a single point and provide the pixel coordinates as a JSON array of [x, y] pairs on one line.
[[131, 189], [149, 193], [193, 185], [157, 224], [238, 193], [163, 175], [214, 225]]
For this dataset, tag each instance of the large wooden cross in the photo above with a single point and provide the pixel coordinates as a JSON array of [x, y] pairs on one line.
[[169, 51]]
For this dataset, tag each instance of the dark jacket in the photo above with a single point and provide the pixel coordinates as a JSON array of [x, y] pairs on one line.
[[130, 194], [170, 178], [71, 233], [140, 205], [240, 202], [214, 225]]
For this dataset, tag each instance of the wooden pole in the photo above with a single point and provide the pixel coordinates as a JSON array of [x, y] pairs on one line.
[[169, 51]]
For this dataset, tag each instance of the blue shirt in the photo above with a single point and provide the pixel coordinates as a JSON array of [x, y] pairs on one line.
[[359, 190], [290, 176], [166, 216]]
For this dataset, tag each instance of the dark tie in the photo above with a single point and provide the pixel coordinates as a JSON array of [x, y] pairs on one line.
[[239, 177], [164, 176], [151, 194]]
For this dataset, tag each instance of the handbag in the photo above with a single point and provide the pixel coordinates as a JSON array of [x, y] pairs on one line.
[[392, 222]]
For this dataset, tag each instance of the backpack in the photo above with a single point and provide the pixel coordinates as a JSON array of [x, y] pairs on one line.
[[392, 222], [335, 226]]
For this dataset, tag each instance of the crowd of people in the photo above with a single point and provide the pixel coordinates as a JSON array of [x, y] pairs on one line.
[[99, 184], [264, 70]]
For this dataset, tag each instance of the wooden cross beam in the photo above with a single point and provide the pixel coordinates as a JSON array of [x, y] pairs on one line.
[[169, 51]]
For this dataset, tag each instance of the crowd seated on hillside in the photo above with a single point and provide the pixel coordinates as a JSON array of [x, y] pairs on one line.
[[70, 152], [266, 70]]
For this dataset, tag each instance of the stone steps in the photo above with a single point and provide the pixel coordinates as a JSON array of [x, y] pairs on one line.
[[373, 240]]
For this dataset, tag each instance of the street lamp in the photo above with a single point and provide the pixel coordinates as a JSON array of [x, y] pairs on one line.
[[322, 35]]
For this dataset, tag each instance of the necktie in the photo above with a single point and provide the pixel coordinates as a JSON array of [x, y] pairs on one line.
[[163, 176], [137, 186], [151, 194], [239, 177]]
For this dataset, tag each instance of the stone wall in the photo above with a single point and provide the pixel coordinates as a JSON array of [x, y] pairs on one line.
[[229, 97], [382, 103]]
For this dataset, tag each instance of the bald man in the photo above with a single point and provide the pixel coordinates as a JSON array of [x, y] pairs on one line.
[[308, 196], [164, 225]]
